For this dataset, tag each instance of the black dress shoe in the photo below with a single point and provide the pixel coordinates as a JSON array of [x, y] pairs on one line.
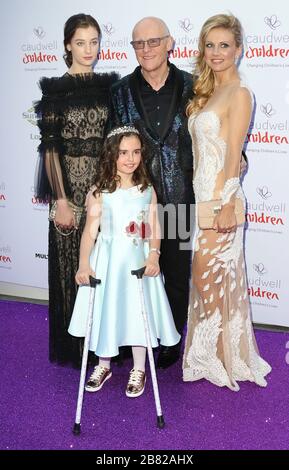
[[168, 355]]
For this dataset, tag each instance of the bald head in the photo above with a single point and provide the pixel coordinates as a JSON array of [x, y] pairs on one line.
[[156, 26]]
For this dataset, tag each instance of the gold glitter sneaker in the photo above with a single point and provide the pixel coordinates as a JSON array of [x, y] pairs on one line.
[[136, 383], [97, 378]]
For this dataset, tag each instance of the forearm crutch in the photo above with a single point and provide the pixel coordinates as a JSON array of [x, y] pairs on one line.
[[160, 419], [92, 283]]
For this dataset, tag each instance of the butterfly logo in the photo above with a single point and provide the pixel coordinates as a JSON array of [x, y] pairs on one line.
[[39, 32], [272, 21], [268, 110], [260, 269], [264, 192], [186, 25], [108, 28]]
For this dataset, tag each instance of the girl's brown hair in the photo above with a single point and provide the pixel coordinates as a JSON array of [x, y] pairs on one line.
[[108, 179]]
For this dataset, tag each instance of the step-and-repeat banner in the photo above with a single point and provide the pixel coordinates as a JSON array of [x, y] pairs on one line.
[[32, 47]]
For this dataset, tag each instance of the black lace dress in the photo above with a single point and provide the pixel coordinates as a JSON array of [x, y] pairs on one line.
[[73, 120]]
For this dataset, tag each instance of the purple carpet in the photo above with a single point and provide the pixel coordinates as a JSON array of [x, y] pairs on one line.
[[38, 400]]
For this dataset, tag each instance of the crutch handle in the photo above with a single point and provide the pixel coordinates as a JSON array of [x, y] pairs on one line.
[[138, 272], [93, 281]]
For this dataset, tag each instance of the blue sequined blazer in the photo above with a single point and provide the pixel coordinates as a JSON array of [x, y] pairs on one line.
[[170, 159]]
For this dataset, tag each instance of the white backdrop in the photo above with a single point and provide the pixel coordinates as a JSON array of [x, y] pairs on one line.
[[31, 47]]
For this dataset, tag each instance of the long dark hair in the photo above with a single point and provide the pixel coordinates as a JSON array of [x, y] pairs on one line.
[[72, 24], [108, 179]]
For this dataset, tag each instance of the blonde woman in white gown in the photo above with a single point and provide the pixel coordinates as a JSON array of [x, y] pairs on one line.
[[220, 342]]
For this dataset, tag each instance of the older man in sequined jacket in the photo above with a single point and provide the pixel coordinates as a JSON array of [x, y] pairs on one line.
[[154, 98]]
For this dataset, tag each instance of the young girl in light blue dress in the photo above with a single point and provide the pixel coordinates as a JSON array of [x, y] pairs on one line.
[[123, 205]]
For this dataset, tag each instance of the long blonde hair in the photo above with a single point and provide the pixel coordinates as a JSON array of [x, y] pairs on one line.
[[204, 77]]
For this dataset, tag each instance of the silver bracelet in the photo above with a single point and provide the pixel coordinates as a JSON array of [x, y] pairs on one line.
[[156, 250]]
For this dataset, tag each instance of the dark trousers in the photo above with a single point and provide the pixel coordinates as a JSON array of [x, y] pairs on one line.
[[175, 264]]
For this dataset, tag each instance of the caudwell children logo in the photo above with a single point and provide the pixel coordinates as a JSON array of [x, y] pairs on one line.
[[185, 45], [273, 43], [38, 203], [39, 50], [113, 47], [5, 256], [267, 211], [262, 286], [268, 129]]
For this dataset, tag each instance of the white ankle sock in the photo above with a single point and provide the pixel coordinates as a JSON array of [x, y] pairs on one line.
[[139, 357], [104, 362]]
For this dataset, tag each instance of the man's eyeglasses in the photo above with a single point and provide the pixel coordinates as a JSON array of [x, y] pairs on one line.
[[153, 42]]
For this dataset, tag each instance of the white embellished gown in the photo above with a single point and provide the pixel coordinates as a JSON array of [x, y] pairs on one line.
[[220, 343]]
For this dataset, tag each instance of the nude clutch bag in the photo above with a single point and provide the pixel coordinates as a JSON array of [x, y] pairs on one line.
[[207, 211]]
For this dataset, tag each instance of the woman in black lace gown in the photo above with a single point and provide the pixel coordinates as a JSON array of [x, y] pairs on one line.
[[73, 120]]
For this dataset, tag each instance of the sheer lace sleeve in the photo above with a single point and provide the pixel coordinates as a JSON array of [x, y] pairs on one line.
[[48, 174], [239, 120]]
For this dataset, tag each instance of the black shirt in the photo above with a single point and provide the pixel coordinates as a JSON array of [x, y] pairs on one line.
[[157, 103]]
